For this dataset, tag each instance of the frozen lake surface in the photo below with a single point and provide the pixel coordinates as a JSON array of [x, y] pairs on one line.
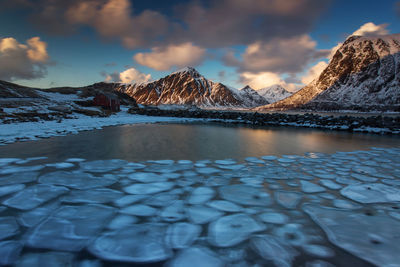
[[201, 208]]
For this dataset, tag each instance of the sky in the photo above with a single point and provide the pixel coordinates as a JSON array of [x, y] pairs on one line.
[[51, 43]]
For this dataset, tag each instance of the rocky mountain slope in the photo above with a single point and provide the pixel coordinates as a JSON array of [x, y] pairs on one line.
[[364, 74], [188, 87], [274, 93], [253, 96]]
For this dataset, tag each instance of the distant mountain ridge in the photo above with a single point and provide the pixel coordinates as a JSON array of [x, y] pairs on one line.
[[188, 87], [363, 74], [274, 93]]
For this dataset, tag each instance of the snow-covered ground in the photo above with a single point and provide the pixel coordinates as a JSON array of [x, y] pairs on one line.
[[290, 210], [21, 131]]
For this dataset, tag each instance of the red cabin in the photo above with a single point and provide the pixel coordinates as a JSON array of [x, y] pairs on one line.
[[107, 101]]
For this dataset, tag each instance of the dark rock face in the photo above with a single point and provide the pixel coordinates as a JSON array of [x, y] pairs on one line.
[[188, 87], [364, 72]]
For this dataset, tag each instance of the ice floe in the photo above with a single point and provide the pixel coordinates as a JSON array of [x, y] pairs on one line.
[[308, 187], [138, 243], [102, 165], [16, 178], [287, 199], [224, 205], [199, 214], [201, 195], [76, 179], [8, 189], [33, 196], [372, 238], [371, 193], [8, 227], [245, 195], [139, 210], [273, 217], [10, 251], [97, 195], [182, 235], [231, 230]]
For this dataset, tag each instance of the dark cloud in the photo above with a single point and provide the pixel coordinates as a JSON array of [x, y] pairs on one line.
[[216, 23], [221, 75]]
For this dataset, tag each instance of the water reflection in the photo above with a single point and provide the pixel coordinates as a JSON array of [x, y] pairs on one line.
[[194, 142]]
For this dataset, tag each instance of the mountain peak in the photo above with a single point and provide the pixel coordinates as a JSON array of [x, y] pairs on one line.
[[188, 70]]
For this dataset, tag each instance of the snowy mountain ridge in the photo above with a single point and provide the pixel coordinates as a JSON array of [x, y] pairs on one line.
[[188, 87], [274, 93], [364, 73]]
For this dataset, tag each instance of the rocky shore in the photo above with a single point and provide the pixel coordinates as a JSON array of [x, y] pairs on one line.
[[369, 124]]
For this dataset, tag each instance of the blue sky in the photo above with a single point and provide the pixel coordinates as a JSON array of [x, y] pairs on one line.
[[138, 38]]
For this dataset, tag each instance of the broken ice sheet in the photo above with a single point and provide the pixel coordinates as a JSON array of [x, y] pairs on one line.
[[33, 196], [373, 238], [98, 195], [245, 195], [371, 193], [102, 165], [20, 177], [49, 259], [136, 243], [147, 177], [182, 235], [148, 188], [224, 205], [274, 249], [139, 210], [308, 187], [231, 230], [8, 189], [196, 257], [8, 227], [201, 195], [70, 228], [33, 217], [174, 212], [274, 217], [10, 251], [200, 215], [288, 199], [76, 179]]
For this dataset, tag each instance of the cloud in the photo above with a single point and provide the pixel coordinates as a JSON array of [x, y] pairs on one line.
[[164, 58], [279, 55], [206, 23], [265, 79], [130, 75], [314, 72], [23, 61], [371, 29]]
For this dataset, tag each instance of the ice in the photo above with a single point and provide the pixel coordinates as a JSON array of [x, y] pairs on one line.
[[13, 169], [183, 161], [235, 167], [391, 182], [49, 259], [61, 165], [162, 199], [196, 257], [182, 235], [245, 195], [344, 204], [174, 212], [288, 199], [17, 178], [330, 184], [319, 263], [98, 195], [147, 177], [286, 160], [273, 217], [217, 181], [273, 249], [130, 199], [6, 161], [76, 179], [371, 238], [364, 178], [8, 189], [8, 227], [252, 181], [33, 196], [269, 157], [292, 234], [10, 251], [318, 251], [224, 205], [231, 230], [122, 221], [201, 195], [254, 160], [70, 228], [102, 165], [33, 217], [140, 243], [371, 193], [75, 160], [139, 210], [200, 215], [207, 170], [308, 187], [149, 188], [225, 162], [343, 180]]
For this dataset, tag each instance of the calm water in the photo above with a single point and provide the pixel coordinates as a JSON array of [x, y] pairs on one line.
[[194, 142]]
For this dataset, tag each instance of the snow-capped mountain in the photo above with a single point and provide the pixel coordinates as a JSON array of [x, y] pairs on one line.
[[363, 74], [188, 87], [253, 96], [274, 93]]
